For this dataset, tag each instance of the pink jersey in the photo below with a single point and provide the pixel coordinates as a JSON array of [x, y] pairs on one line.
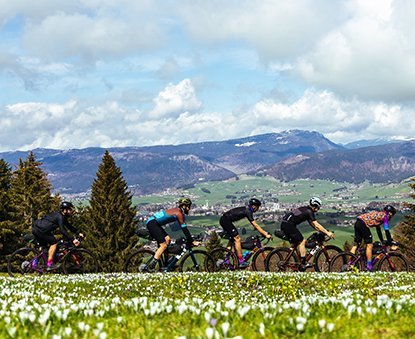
[[375, 218]]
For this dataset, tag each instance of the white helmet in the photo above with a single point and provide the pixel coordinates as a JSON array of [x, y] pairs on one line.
[[315, 202]]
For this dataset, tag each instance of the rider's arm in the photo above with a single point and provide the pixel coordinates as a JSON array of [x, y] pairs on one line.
[[386, 228], [185, 230], [316, 225], [260, 229]]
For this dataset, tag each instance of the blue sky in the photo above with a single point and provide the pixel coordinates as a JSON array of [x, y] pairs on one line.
[[106, 73]]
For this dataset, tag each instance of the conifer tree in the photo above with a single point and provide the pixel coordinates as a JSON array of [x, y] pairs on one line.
[[6, 232], [31, 194], [405, 231], [110, 231]]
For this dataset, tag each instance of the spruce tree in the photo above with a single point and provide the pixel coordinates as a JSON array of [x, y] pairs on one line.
[[110, 228], [31, 194], [405, 231], [6, 232]]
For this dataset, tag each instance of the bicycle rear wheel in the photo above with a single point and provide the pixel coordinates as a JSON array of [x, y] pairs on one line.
[[225, 259], [282, 259], [79, 261], [345, 262], [137, 261], [197, 261], [395, 263], [258, 260], [323, 257], [21, 262]]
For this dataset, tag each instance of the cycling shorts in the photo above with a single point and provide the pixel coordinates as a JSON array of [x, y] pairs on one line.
[[156, 231], [228, 226], [44, 239], [361, 231], [290, 230]]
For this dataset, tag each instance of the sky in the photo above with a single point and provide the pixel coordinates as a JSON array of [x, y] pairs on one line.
[[115, 73]]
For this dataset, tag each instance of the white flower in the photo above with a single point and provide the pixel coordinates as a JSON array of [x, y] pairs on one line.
[[300, 327], [262, 329], [210, 332], [67, 331], [321, 323], [207, 316], [330, 327], [225, 328]]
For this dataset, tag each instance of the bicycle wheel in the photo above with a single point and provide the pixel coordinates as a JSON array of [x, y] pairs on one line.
[[21, 262], [136, 262], [225, 259], [197, 261], [258, 260], [345, 262], [79, 261], [281, 259], [323, 257], [395, 263]]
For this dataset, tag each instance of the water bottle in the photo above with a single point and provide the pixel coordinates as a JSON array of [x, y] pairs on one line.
[[314, 250]]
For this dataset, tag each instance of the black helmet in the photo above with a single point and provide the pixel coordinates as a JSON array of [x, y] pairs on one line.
[[254, 202], [390, 208], [66, 205], [184, 202], [315, 202]]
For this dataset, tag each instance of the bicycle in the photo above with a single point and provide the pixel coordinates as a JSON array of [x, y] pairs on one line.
[[383, 260], [32, 259], [176, 257], [227, 260], [287, 259]]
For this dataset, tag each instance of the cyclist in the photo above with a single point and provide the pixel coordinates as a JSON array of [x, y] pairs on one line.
[[156, 221], [362, 230], [44, 228], [236, 214], [292, 219]]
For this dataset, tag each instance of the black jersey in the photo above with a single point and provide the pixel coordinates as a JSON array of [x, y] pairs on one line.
[[299, 215], [52, 222], [239, 213]]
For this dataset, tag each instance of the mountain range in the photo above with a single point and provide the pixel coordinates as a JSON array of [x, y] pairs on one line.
[[286, 156]]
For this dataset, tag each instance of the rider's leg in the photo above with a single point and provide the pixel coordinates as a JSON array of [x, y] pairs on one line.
[[238, 247], [51, 253], [369, 249]]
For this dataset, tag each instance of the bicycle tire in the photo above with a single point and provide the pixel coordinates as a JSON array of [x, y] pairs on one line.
[[136, 261], [395, 263], [204, 262], [225, 259], [258, 259], [321, 261], [20, 262], [281, 259], [345, 262], [79, 261]]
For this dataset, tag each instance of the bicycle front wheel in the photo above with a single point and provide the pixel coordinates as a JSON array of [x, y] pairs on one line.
[[395, 262], [137, 262], [224, 258], [258, 260], [79, 261], [323, 257], [22, 262], [282, 259], [345, 262], [197, 261]]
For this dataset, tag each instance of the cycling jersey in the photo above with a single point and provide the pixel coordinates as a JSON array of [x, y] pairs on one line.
[[299, 215], [164, 217], [375, 218], [238, 213], [52, 222]]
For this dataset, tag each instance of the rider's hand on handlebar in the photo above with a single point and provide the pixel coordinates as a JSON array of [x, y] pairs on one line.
[[76, 242], [196, 243], [330, 235], [268, 236]]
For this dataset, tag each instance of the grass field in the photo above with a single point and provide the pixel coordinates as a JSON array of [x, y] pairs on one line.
[[216, 192], [209, 305]]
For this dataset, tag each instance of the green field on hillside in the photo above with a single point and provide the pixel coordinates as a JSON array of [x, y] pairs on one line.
[[298, 191]]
